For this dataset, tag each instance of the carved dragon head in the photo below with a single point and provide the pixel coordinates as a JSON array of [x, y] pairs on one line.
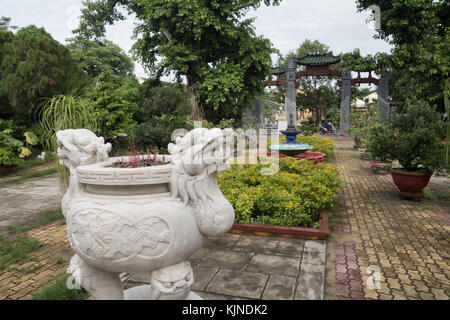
[[80, 146], [201, 151], [196, 158]]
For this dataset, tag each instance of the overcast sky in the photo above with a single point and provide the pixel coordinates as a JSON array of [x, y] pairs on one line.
[[333, 22]]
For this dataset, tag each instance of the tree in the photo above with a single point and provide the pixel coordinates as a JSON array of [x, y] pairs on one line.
[[5, 24], [318, 96], [95, 57], [6, 36], [165, 110], [209, 42], [420, 32], [115, 101], [307, 47], [34, 66]]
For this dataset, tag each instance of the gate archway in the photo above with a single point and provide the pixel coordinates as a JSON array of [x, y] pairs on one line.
[[320, 65]]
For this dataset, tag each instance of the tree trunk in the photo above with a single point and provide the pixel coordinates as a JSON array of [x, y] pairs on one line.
[[197, 112]]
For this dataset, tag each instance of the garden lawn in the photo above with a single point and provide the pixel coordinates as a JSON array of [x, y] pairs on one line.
[[293, 196]]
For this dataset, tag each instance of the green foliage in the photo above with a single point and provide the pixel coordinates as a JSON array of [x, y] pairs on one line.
[[34, 65], [5, 23], [49, 217], [224, 124], [60, 291], [65, 112], [156, 132], [9, 147], [362, 121], [413, 140], [60, 113], [293, 196], [115, 102], [334, 115], [360, 93], [308, 126], [33, 174], [165, 110], [209, 42], [355, 62], [446, 125], [307, 47], [96, 57], [420, 33], [16, 131], [378, 142], [170, 100], [16, 250], [323, 145], [317, 94], [273, 104]]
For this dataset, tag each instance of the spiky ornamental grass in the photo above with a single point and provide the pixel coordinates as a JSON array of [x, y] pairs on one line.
[[60, 113]]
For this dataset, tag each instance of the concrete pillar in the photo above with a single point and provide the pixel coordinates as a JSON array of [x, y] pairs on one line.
[[290, 102], [346, 90], [259, 112], [383, 96]]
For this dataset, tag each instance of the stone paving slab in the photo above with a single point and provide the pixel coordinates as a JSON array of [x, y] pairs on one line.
[[222, 269], [24, 202], [279, 288], [238, 283], [285, 266]]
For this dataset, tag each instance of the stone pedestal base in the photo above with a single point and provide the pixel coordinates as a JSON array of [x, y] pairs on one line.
[[143, 292]]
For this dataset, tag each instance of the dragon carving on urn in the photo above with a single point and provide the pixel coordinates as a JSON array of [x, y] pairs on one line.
[[146, 220]]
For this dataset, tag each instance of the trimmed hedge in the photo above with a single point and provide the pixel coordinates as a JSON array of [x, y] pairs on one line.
[[294, 196]]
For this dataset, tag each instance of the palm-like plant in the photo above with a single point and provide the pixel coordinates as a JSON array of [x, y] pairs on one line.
[[60, 113]]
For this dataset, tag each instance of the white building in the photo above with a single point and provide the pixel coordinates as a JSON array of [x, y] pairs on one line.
[[364, 103]]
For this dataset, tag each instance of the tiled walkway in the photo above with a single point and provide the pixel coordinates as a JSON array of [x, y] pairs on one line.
[[375, 230], [232, 266], [242, 266]]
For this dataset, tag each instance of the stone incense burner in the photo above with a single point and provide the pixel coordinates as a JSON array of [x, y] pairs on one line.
[[146, 220]]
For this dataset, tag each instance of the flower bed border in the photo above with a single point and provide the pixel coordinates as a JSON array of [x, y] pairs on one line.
[[261, 229]]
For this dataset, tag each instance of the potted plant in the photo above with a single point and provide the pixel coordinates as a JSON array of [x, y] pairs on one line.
[[413, 139]]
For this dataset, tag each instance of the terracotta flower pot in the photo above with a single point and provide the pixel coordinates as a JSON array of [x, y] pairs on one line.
[[410, 184], [8, 169]]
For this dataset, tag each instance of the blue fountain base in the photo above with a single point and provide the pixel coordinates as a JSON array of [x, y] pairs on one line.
[[291, 147], [291, 136]]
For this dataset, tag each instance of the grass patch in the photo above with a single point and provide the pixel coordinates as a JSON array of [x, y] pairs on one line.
[[35, 174], [49, 217], [430, 196], [17, 250], [59, 260], [424, 207], [30, 163], [32, 269], [60, 291], [24, 165]]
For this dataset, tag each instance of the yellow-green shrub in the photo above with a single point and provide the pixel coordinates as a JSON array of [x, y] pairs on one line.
[[293, 196]]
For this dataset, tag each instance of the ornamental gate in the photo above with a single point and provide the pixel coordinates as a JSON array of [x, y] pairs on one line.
[[320, 65]]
